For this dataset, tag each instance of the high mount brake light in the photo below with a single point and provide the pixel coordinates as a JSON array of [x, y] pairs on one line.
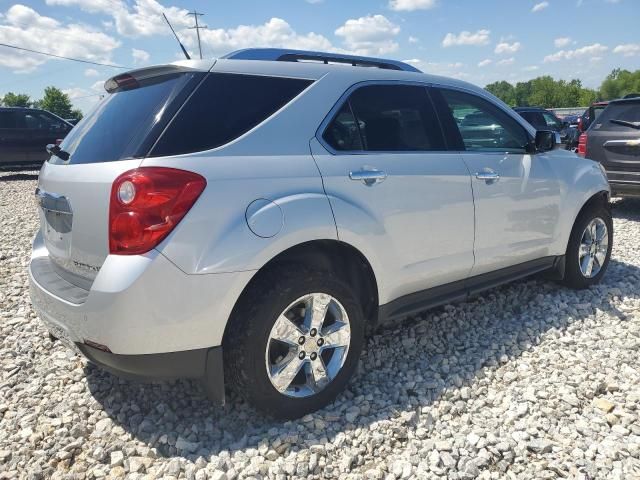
[[121, 82], [582, 145], [146, 204]]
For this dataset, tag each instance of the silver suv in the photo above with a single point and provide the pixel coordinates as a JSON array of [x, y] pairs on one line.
[[252, 217]]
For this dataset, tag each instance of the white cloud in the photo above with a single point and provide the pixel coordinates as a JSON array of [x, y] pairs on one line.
[[142, 18], [539, 6], [370, 35], [562, 42], [531, 68], [411, 5], [481, 37], [506, 61], [23, 26], [594, 50], [485, 62], [314, 2], [91, 72], [413, 39], [140, 57], [505, 47], [628, 49], [274, 33]]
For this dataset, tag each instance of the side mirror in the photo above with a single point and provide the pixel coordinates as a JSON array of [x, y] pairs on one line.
[[547, 140]]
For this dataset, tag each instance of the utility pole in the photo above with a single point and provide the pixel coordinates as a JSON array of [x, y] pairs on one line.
[[197, 28]]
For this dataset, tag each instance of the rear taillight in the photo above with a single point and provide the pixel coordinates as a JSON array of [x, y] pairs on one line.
[[146, 204], [580, 124], [582, 145]]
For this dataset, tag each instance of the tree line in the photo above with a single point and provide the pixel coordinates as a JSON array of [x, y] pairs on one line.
[[547, 92], [54, 101]]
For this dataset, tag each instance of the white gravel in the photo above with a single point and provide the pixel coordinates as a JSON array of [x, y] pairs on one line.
[[530, 381]]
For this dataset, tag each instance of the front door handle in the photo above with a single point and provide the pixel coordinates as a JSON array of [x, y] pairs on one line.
[[368, 177], [488, 176]]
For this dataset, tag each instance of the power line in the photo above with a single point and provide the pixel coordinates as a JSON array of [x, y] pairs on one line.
[[15, 47], [197, 28]]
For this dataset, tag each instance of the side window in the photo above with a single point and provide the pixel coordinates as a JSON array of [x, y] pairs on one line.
[[343, 132], [484, 127], [551, 120], [224, 107], [396, 118], [8, 120]]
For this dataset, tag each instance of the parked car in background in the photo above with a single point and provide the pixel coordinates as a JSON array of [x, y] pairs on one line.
[[590, 114], [25, 134], [614, 141], [543, 119], [264, 210]]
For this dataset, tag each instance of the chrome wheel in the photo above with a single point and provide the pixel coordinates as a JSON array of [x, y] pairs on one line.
[[308, 345], [594, 245]]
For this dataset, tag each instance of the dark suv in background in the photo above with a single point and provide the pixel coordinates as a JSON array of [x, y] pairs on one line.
[[542, 119], [613, 139], [25, 134]]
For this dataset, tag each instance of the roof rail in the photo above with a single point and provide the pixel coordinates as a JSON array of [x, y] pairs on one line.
[[287, 55]]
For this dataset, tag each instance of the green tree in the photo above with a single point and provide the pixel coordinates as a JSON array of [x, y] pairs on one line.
[[16, 100], [620, 83], [504, 91], [58, 102]]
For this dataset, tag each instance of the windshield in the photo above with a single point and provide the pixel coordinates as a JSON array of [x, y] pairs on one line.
[[120, 126]]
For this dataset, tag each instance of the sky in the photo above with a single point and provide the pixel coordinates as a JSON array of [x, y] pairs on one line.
[[479, 41]]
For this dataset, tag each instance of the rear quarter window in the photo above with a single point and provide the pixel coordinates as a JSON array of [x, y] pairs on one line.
[[224, 107]]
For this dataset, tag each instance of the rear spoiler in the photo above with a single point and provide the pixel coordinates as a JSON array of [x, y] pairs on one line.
[[133, 78]]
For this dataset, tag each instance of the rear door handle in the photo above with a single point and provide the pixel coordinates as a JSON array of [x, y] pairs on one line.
[[368, 177], [488, 176]]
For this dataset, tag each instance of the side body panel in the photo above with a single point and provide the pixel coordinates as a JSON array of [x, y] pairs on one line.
[[415, 227]]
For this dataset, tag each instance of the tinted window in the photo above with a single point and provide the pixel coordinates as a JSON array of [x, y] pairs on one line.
[[8, 120], [121, 122], [396, 118], [626, 112], [552, 121], [224, 107], [483, 126], [534, 118], [41, 121], [343, 132]]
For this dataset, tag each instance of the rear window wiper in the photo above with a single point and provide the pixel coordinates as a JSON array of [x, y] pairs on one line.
[[624, 123], [58, 152]]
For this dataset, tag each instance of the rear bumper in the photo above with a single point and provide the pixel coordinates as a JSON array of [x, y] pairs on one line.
[[205, 364]]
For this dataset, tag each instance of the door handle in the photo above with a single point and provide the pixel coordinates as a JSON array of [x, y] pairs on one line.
[[368, 177], [488, 176]]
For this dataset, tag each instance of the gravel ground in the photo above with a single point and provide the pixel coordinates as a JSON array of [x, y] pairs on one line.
[[530, 381]]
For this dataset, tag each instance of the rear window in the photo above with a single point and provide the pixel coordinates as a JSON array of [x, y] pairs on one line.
[[625, 112], [119, 127], [224, 107]]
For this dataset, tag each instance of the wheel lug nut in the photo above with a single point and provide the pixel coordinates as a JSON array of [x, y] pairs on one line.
[[301, 340], [313, 332], [320, 342], [313, 356], [301, 355]]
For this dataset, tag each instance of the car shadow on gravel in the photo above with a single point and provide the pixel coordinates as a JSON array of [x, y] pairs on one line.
[[406, 367], [627, 208], [12, 177]]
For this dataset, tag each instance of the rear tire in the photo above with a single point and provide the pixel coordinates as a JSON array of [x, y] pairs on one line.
[[255, 358], [589, 249]]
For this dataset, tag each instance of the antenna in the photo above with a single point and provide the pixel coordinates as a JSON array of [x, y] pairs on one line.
[[197, 28], [177, 39]]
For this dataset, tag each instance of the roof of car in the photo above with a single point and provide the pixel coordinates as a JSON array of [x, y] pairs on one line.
[[625, 100]]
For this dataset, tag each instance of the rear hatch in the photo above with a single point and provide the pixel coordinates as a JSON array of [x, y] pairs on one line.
[[75, 183], [614, 138]]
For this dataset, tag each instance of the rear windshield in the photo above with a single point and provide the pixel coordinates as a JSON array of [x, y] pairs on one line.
[[120, 125], [224, 107], [625, 112]]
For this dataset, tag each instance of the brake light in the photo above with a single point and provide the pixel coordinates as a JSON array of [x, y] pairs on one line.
[[580, 124], [146, 204], [582, 145]]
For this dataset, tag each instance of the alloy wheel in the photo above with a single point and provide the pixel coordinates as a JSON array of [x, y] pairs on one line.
[[594, 245]]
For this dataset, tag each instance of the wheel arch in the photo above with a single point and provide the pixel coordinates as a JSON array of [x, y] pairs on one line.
[[339, 257], [601, 196]]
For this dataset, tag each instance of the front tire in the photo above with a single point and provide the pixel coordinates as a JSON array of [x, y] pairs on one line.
[[294, 341], [589, 249]]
